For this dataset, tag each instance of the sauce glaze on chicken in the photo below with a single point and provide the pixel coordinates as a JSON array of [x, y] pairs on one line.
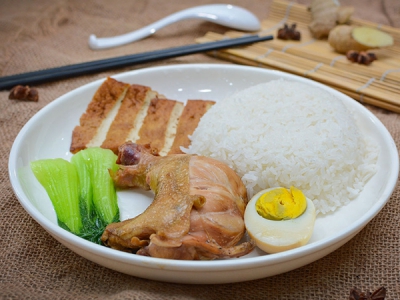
[[197, 212]]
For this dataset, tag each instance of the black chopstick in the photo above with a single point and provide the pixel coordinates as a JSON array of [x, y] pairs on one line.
[[47, 75]]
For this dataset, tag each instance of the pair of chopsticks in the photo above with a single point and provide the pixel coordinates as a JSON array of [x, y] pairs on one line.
[[47, 75]]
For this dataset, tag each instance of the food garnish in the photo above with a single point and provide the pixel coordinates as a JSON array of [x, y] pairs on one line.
[[61, 182], [280, 219], [81, 191], [97, 163]]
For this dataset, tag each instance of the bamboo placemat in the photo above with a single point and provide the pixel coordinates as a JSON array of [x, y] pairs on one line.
[[377, 84]]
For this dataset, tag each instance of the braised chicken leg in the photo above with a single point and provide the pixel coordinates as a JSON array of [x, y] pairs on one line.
[[197, 212]]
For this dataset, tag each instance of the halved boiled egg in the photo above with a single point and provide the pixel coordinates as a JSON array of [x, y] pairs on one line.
[[280, 219]]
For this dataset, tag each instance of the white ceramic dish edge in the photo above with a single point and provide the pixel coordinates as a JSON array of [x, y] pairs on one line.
[[203, 272]]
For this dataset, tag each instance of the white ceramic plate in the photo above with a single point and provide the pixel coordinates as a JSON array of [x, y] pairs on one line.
[[48, 135]]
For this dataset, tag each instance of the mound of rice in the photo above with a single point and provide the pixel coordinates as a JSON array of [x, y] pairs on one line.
[[284, 133]]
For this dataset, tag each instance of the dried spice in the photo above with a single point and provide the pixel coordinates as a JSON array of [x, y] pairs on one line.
[[20, 92], [356, 294], [289, 33], [363, 58], [366, 58], [352, 55]]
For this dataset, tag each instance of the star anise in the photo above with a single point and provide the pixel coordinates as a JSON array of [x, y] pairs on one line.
[[356, 294], [289, 33]]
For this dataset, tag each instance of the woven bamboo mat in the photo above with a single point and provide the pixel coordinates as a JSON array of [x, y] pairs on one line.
[[377, 84]]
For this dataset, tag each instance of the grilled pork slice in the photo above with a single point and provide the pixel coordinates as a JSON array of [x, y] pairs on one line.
[[159, 125], [129, 118], [120, 112], [191, 115], [105, 102]]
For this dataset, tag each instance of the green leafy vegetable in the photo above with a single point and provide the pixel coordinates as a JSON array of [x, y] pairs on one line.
[[60, 180], [98, 162], [86, 191], [82, 191]]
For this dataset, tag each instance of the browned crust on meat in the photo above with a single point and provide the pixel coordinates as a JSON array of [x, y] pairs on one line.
[[124, 120], [155, 124], [119, 112], [103, 101], [191, 115]]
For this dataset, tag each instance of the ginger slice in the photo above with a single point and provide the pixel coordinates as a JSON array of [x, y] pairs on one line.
[[344, 38], [371, 37]]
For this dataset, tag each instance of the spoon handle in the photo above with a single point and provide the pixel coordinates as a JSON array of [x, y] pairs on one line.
[[123, 39], [226, 15]]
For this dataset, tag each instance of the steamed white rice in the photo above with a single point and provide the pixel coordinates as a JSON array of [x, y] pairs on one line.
[[284, 133]]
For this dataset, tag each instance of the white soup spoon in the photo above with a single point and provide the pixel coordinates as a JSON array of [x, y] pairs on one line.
[[223, 14]]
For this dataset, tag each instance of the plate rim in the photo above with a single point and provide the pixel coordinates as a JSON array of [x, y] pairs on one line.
[[239, 264]]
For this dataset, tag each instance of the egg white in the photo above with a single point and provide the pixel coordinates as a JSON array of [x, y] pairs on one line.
[[277, 236]]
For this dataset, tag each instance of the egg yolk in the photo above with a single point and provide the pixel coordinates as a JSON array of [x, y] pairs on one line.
[[281, 204]]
